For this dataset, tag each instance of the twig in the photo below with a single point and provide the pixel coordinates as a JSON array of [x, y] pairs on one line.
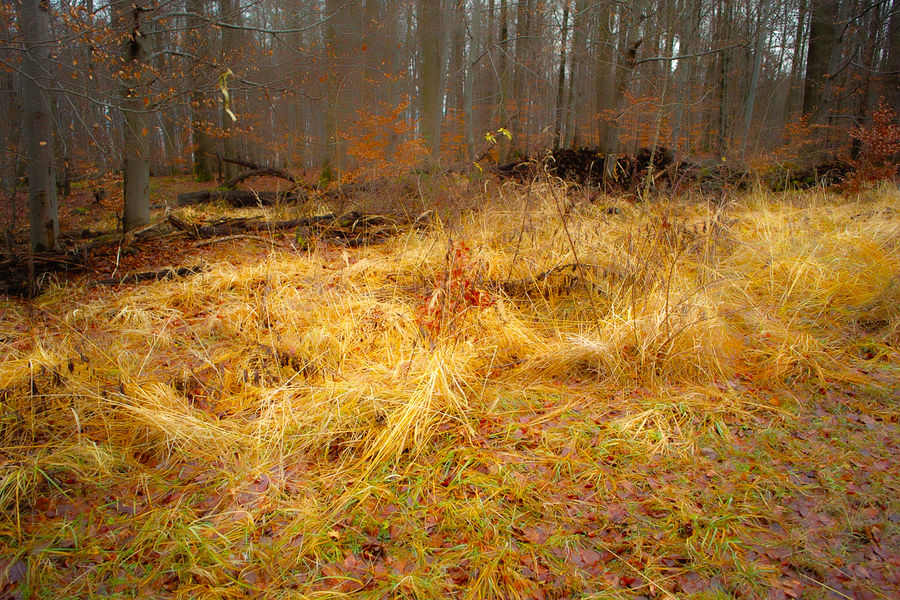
[[824, 585]]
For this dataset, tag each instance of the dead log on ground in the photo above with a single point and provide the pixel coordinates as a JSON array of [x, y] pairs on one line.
[[166, 273], [239, 198], [262, 172], [351, 229], [240, 162], [249, 224]]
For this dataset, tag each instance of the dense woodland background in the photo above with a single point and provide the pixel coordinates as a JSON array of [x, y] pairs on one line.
[[354, 87]]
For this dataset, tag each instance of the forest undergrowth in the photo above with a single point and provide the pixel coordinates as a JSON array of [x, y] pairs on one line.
[[539, 398]]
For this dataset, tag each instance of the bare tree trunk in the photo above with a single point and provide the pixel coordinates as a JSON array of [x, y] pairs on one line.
[[605, 77], [518, 99], [135, 151], [561, 77], [822, 37], [230, 11], [758, 50], [866, 98], [505, 70], [795, 94], [203, 147], [10, 127], [576, 72], [624, 72], [392, 93], [892, 80], [683, 75], [429, 29], [333, 115], [469, 90], [37, 126], [457, 65], [723, 74]]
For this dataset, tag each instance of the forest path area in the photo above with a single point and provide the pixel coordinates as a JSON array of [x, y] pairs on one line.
[[545, 397]]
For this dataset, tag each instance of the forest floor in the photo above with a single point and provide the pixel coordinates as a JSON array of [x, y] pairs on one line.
[[705, 406]]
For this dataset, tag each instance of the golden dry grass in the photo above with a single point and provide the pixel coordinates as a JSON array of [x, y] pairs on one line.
[[284, 421]]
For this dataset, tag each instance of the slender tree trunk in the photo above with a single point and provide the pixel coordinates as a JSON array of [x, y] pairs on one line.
[[373, 54], [624, 72], [518, 99], [561, 77], [469, 90], [392, 93], [795, 94], [229, 10], [724, 60], [135, 150], [10, 127], [446, 30], [333, 49], [576, 72], [457, 65], [504, 67], [203, 146], [750, 104], [37, 126], [865, 97]]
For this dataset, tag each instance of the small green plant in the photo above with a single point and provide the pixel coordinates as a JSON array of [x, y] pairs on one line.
[[490, 138]]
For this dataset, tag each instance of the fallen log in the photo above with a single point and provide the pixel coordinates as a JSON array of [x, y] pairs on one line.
[[262, 172], [247, 224], [240, 162], [25, 278], [330, 225], [166, 273], [231, 238], [239, 198]]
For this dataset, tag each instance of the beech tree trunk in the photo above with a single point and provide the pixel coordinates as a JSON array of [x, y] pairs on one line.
[[624, 70], [10, 127], [750, 103], [605, 77], [822, 36], [577, 73], [135, 149], [456, 75], [892, 80], [561, 78], [519, 97], [230, 11], [429, 29], [337, 113], [469, 89], [504, 71], [683, 75], [37, 126], [723, 75], [795, 93], [202, 143]]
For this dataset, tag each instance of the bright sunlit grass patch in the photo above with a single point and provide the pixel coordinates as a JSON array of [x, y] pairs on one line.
[[581, 402]]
